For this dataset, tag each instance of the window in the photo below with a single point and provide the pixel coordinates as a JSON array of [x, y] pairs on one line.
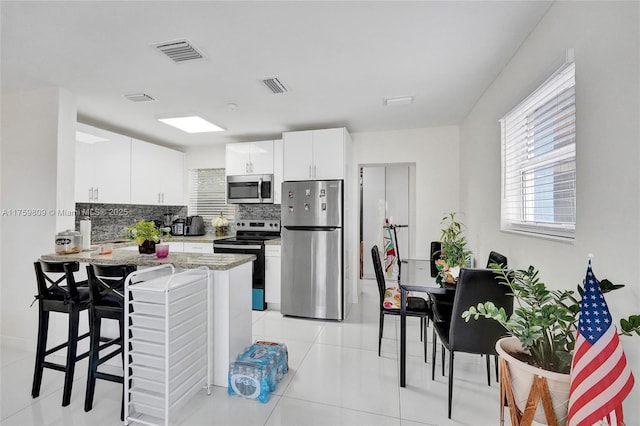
[[539, 159], [207, 194]]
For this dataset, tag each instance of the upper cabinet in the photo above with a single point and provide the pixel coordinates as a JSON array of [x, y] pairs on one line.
[[249, 158], [103, 165], [278, 170], [315, 154], [156, 174]]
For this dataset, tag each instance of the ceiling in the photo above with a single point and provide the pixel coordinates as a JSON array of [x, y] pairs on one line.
[[339, 60]]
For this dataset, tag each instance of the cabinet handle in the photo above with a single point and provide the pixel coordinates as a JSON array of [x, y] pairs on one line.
[[159, 198], [96, 194], [246, 168], [90, 194], [163, 197], [314, 172], [310, 172]]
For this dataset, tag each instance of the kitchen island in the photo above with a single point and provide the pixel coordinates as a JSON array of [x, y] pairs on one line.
[[229, 291]]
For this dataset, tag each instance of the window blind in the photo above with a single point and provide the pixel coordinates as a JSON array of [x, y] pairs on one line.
[[207, 196], [539, 159]]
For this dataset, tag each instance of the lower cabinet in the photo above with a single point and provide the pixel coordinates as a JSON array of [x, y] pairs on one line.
[[272, 275], [185, 247], [198, 248]]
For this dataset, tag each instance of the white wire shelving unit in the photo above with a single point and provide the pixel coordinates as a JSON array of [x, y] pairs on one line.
[[167, 347]]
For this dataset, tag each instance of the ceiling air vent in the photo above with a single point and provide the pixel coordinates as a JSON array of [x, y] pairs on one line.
[[139, 97], [179, 50], [275, 85]]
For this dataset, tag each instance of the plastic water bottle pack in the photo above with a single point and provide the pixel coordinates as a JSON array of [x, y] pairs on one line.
[[257, 371]]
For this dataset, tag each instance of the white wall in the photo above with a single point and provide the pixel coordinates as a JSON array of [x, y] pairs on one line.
[[434, 151], [38, 156], [606, 39]]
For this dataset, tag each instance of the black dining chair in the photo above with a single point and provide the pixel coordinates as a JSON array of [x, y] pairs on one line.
[[441, 304], [106, 289], [416, 306], [476, 336], [59, 292], [497, 258]]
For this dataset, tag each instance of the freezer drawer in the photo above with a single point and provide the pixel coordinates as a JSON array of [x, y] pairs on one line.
[[312, 273]]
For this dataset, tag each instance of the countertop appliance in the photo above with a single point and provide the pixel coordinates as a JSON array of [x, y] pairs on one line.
[[250, 189], [177, 227], [194, 225], [249, 239], [312, 249]]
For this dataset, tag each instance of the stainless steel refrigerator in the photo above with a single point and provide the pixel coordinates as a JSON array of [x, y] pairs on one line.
[[312, 249]]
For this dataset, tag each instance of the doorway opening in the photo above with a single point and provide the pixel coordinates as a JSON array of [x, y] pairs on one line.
[[386, 192]]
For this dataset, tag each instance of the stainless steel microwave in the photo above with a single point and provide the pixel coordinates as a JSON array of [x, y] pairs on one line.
[[250, 189]]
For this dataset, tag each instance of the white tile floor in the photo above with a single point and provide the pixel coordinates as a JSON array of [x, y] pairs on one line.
[[335, 378]]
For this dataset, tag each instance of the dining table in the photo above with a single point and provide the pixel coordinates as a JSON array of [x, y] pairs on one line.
[[415, 275]]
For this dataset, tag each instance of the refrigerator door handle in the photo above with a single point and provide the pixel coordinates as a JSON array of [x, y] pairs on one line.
[[312, 228]]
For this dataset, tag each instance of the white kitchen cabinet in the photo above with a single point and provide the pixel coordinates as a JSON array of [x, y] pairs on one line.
[[156, 174], [315, 154], [272, 274], [278, 170], [102, 166], [249, 158], [198, 248]]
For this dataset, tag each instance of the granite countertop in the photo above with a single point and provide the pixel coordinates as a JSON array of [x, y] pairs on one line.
[[219, 261], [208, 238]]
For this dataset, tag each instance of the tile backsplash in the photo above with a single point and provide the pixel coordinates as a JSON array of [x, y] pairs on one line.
[[258, 211], [109, 220]]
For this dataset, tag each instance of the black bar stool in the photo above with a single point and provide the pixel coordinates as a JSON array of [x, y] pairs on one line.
[[106, 290], [54, 296]]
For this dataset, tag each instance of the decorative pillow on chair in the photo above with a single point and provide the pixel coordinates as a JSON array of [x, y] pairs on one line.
[[391, 298]]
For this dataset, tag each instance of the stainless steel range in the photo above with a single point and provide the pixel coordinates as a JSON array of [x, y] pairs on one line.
[[249, 239]]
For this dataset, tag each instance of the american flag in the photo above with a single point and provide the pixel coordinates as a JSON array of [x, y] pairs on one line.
[[600, 376]]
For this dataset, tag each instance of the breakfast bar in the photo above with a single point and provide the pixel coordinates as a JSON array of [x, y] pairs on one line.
[[229, 293]]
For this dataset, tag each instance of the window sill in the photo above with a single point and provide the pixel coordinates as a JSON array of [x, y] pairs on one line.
[[565, 240]]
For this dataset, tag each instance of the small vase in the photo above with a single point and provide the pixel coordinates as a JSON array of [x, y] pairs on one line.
[[220, 232], [147, 247]]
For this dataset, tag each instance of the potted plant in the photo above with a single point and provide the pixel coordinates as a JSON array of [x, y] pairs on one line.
[[543, 330], [146, 235], [454, 253], [220, 223]]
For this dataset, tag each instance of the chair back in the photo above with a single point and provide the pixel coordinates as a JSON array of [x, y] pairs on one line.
[[434, 254], [478, 336], [495, 257], [377, 267], [55, 280], [106, 283]]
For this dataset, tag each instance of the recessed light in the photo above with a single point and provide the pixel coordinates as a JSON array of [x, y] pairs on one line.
[[192, 124], [87, 138], [401, 100]]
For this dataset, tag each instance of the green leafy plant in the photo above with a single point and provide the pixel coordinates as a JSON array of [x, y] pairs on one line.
[[544, 321], [454, 252], [144, 230]]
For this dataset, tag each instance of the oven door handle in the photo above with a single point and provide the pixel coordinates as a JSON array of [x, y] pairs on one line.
[[237, 246]]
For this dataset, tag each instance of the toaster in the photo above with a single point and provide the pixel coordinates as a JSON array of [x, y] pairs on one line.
[[194, 226]]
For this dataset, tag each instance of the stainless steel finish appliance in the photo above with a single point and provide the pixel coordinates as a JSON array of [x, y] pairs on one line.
[[177, 228], [252, 189], [194, 226], [312, 249], [249, 239]]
